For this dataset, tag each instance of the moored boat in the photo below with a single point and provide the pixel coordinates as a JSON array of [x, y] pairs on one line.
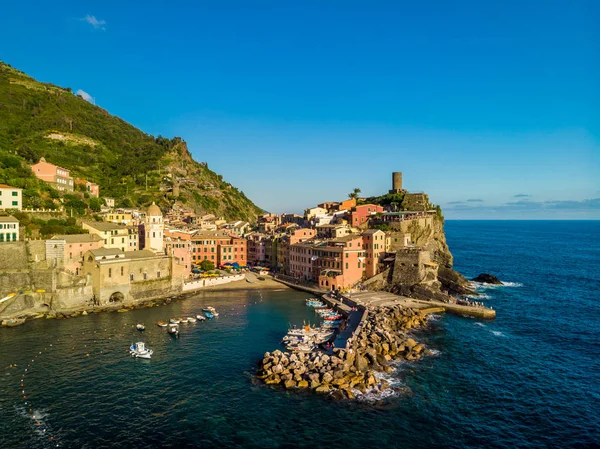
[[140, 327], [200, 317], [140, 350], [162, 324], [174, 321], [173, 329], [209, 315], [191, 319], [211, 310]]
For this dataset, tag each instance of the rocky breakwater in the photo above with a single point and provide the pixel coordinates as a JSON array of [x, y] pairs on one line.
[[381, 338]]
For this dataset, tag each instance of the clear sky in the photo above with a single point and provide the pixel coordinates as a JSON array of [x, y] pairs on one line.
[[493, 108]]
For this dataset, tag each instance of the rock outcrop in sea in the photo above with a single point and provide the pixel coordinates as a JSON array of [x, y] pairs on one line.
[[486, 278], [345, 372]]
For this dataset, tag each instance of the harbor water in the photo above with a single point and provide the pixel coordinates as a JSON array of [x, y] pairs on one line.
[[528, 379]]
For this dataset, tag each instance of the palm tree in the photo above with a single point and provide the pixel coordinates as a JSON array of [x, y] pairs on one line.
[[354, 193]]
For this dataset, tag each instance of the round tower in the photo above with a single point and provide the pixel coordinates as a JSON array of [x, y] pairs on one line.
[[154, 228], [397, 181]]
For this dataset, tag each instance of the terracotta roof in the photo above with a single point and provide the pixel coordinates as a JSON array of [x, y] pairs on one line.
[[4, 186]]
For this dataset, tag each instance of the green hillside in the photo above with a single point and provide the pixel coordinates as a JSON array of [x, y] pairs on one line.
[[43, 120]]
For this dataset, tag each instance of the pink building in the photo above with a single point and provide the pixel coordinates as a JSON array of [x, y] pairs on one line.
[[257, 248], [59, 177], [361, 214], [181, 252], [73, 247]]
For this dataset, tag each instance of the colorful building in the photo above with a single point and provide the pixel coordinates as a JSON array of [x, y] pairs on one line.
[[361, 214], [58, 177], [11, 197], [219, 248], [91, 187], [154, 229], [181, 252], [66, 251], [114, 236], [9, 229], [374, 245]]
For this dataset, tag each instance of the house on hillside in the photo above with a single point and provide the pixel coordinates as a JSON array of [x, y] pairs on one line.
[[11, 197], [9, 229], [58, 177], [91, 187]]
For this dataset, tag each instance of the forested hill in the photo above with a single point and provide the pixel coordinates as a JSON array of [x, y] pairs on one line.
[[43, 120]]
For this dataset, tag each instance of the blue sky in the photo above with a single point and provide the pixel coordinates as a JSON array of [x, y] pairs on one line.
[[490, 107]]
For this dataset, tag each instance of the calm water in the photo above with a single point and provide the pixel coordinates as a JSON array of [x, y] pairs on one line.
[[528, 379]]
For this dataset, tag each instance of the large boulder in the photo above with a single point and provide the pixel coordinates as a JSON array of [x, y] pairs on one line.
[[361, 363], [486, 278]]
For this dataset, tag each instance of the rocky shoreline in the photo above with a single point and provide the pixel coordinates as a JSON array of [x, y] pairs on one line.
[[380, 338]]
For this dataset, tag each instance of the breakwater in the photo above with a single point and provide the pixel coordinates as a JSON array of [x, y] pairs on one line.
[[344, 372]]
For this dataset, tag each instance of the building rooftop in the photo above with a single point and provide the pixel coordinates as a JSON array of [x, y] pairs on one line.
[[143, 254], [8, 218], [371, 231], [104, 226], [78, 238], [100, 252], [4, 186]]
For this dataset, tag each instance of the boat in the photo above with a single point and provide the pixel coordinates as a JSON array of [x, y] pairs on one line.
[[191, 319], [333, 318], [140, 350], [200, 317], [209, 315], [162, 324], [301, 347], [173, 329], [12, 322], [140, 327], [174, 321], [211, 310]]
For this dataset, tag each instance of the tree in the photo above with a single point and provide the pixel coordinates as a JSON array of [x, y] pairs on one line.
[[354, 194], [207, 265]]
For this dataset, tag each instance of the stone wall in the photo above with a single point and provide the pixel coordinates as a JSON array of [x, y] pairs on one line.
[[209, 282], [13, 256], [152, 289], [408, 266], [415, 201], [36, 250], [14, 282]]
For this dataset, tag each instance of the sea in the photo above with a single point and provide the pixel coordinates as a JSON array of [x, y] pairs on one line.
[[528, 379]]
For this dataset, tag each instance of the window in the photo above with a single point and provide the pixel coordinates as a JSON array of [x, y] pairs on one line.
[[158, 274], [110, 272], [15, 194], [346, 265], [122, 269], [131, 277]]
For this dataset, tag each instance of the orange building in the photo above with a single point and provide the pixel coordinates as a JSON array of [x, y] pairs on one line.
[[219, 247], [374, 246]]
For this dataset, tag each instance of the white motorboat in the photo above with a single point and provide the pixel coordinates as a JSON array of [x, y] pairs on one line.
[[140, 350], [173, 329], [191, 319], [174, 321], [200, 317], [140, 327]]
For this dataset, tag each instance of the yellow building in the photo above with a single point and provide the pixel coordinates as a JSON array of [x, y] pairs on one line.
[[114, 235]]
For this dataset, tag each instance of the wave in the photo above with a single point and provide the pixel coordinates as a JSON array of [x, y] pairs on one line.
[[479, 296], [498, 334], [480, 324], [481, 286]]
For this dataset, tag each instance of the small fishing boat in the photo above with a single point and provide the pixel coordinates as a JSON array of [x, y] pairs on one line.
[[140, 327], [333, 317], [162, 324], [209, 315], [12, 322], [200, 317], [211, 310], [174, 321], [191, 319], [140, 350], [173, 329]]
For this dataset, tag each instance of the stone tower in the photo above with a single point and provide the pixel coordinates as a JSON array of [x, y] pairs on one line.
[[396, 182], [154, 228]]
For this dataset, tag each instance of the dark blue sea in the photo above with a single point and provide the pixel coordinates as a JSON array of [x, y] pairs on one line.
[[529, 379]]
